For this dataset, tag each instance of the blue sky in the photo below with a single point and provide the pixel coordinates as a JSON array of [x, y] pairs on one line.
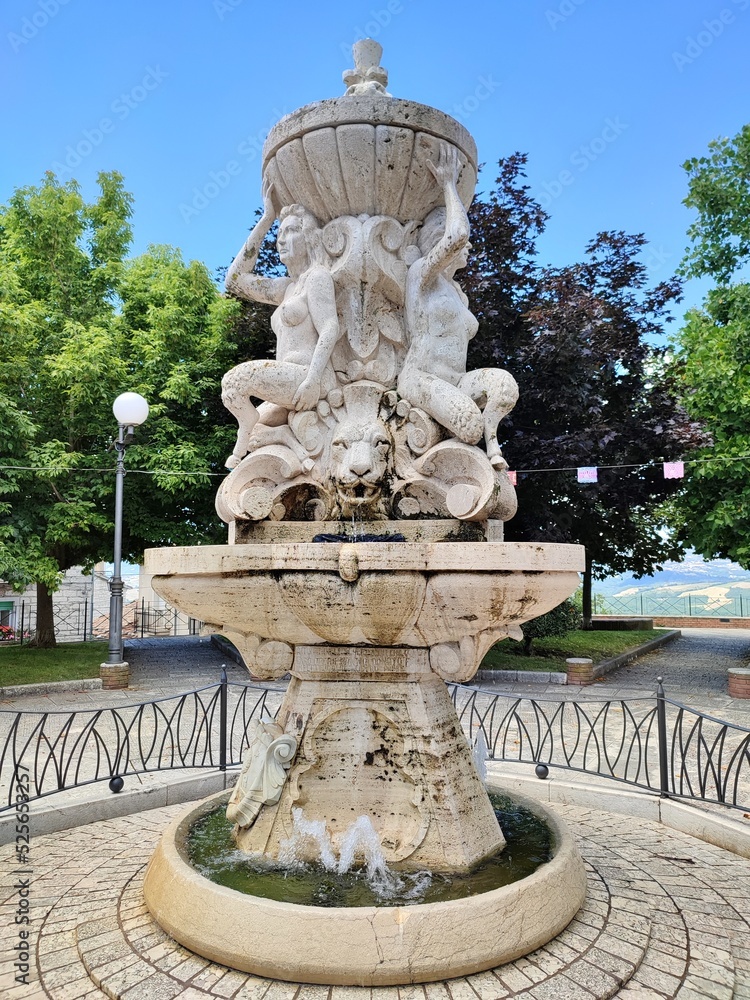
[[608, 98]]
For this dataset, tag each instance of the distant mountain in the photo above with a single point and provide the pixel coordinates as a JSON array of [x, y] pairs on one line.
[[716, 587]]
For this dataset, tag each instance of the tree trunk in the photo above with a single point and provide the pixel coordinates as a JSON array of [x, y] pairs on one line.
[[45, 622], [587, 576]]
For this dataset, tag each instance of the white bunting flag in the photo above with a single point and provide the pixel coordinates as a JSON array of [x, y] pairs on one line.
[[674, 470], [588, 474], [512, 476]]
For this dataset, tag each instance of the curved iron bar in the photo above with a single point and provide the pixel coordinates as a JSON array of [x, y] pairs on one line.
[[698, 762], [82, 740], [642, 744], [743, 750], [588, 737], [193, 729], [258, 711], [563, 733], [171, 732]]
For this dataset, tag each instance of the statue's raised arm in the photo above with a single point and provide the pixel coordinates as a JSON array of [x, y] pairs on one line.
[[453, 221], [242, 280], [440, 325], [305, 323]]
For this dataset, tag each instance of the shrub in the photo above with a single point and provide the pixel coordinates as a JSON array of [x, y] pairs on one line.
[[559, 621]]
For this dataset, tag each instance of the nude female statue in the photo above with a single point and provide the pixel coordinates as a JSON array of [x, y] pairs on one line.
[[305, 323], [440, 326]]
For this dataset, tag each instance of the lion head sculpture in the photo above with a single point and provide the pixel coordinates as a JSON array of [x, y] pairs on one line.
[[361, 453]]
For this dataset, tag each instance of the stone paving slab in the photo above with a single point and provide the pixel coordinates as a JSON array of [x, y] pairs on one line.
[[666, 916]]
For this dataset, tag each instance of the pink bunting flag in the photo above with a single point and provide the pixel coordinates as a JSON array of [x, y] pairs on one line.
[[674, 470], [588, 474], [512, 476]]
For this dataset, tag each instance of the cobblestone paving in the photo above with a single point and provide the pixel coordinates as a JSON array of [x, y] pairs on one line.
[[666, 916], [694, 668]]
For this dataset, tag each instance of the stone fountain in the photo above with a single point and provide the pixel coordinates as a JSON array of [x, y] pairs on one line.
[[365, 506]]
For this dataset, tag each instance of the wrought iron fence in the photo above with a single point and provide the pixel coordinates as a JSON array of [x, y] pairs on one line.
[[81, 622], [657, 745], [55, 751], [689, 606]]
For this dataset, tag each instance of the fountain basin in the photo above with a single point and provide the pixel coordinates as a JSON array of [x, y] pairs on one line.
[[366, 154], [413, 594], [369, 631], [362, 946]]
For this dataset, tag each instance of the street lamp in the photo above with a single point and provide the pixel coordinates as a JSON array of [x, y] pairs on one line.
[[131, 410]]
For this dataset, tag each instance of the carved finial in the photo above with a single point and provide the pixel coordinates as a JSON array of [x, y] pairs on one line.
[[368, 76]]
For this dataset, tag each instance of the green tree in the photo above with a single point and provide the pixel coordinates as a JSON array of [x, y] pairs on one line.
[[713, 352], [78, 325]]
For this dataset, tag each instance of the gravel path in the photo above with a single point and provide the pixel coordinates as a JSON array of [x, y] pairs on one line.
[[696, 663]]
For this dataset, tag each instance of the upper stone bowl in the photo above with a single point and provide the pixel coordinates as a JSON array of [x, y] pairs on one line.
[[364, 155]]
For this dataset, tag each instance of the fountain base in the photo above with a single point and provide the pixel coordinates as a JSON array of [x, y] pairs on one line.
[[361, 946], [378, 736]]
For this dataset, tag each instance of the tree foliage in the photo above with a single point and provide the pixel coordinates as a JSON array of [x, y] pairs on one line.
[[719, 191], [80, 324], [594, 389], [712, 359]]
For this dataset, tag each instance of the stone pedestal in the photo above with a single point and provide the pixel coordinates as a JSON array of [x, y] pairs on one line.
[[739, 682], [114, 675], [378, 737], [580, 670]]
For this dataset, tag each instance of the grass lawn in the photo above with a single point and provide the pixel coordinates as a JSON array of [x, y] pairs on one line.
[[550, 654], [70, 661]]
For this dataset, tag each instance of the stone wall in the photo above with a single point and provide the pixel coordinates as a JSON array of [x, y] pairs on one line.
[[79, 595], [693, 622], [686, 621]]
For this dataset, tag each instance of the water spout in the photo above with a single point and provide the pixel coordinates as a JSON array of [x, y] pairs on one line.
[[304, 831]]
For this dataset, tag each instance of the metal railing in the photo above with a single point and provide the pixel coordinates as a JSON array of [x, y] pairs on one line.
[[205, 728], [657, 745], [689, 606], [81, 623]]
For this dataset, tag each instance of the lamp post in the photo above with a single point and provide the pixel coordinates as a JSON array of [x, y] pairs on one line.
[[131, 410]]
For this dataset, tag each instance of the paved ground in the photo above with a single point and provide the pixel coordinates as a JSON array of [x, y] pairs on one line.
[[694, 669], [667, 916]]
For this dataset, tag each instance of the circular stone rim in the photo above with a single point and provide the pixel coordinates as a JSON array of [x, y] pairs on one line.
[[369, 109], [362, 946], [444, 557]]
